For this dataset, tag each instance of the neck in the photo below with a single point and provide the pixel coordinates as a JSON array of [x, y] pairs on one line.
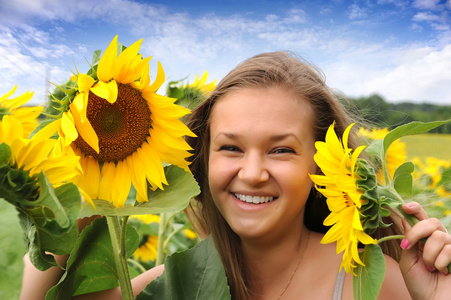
[[272, 266]]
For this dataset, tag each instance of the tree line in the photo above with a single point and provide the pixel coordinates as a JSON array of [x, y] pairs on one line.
[[377, 112]]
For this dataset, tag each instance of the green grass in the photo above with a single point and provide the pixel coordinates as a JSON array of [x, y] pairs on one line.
[[428, 145]]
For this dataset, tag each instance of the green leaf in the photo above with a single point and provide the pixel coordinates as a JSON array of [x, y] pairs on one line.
[[380, 147], [175, 197], [402, 179], [446, 177], [11, 255], [91, 265], [368, 282], [5, 153], [196, 273], [96, 57], [50, 222]]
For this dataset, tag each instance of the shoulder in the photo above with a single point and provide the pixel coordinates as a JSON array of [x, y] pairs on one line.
[[142, 280], [393, 286]]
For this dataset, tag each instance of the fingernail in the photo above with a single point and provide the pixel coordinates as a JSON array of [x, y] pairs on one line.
[[444, 273], [404, 244], [430, 269], [410, 205]]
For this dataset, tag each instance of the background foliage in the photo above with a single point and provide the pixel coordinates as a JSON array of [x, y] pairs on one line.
[[377, 111]]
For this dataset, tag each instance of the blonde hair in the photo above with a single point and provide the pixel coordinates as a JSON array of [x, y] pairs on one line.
[[265, 70]]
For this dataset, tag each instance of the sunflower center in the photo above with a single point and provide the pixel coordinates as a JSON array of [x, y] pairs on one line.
[[122, 127]]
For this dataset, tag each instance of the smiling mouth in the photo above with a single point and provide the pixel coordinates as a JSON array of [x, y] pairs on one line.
[[254, 199]]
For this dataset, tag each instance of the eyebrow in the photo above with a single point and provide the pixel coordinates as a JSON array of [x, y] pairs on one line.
[[273, 138]]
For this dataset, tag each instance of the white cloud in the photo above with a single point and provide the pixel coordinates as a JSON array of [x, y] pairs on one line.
[[426, 16], [426, 4], [415, 73], [357, 12]]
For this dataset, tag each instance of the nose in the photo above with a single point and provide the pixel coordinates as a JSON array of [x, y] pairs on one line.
[[253, 169]]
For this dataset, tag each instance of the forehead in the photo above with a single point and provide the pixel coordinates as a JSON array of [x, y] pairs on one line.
[[272, 109]]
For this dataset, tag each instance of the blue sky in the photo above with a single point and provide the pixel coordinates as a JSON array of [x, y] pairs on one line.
[[398, 49]]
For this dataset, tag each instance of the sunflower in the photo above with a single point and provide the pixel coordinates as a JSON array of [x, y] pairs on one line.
[[396, 153], [33, 156], [202, 85], [148, 246], [338, 185], [122, 130], [14, 107]]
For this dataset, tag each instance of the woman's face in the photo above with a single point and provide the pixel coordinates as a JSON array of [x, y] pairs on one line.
[[261, 153]]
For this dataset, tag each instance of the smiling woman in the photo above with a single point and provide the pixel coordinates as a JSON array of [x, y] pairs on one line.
[[268, 165]]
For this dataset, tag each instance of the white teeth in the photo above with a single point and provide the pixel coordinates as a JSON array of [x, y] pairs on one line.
[[254, 199]]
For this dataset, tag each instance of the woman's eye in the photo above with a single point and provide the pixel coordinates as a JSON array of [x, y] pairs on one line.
[[229, 148], [283, 150]]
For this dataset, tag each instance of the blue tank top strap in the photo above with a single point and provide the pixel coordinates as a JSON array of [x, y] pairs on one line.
[[338, 290]]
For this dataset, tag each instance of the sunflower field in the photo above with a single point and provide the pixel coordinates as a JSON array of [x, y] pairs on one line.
[[100, 173]]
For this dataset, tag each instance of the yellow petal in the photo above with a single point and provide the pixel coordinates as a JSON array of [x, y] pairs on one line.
[[58, 169], [68, 127], [106, 181], [138, 176], [105, 68], [159, 80], [85, 129], [39, 149], [90, 180], [107, 91], [6, 96], [11, 129], [85, 82], [121, 184], [152, 165], [124, 59]]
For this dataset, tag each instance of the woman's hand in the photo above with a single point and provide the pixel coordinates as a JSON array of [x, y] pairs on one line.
[[425, 265]]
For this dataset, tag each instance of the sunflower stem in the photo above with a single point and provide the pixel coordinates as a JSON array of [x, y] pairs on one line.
[[390, 237], [161, 231], [117, 235]]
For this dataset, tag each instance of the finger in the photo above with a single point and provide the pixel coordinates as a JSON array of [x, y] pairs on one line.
[[422, 229], [443, 260], [433, 248], [414, 208]]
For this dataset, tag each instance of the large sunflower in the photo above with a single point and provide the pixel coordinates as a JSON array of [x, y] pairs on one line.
[[34, 155], [15, 107], [338, 185], [121, 128]]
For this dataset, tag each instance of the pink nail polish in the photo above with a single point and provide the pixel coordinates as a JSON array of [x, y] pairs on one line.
[[429, 269], [410, 205], [404, 244]]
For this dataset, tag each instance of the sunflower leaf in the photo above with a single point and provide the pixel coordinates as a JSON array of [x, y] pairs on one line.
[[13, 250], [175, 197], [5, 153], [50, 222], [96, 57], [368, 282], [402, 179], [91, 265], [380, 147], [196, 273]]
